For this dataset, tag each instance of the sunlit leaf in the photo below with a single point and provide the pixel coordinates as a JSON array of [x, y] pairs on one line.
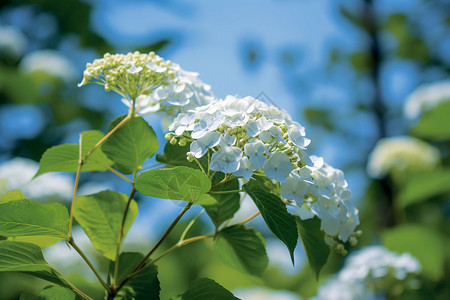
[[64, 158], [179, 183], [100, 215], [205, 288], [13, 196], [435, 124], [313, 242], [57, 293], [275, 214], [242, 248], [27, 258]]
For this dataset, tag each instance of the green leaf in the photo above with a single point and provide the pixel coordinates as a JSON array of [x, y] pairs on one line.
[[206, 200], [242, 248], [175, 155], [313, 242], [227, 204], [28, 218], [179, 183], [131, 145], [423, 186], [64, 158], [206, 289], [13, 196], [27, 258], [145, 285], [57, 293], [42, 241], [435, 124], [100, 215], [426, 244], [275, 214]]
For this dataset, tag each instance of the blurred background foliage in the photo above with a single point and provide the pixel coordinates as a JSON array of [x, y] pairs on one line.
[[45, 44]]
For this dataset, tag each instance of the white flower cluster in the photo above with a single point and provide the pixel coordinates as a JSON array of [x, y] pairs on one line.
[[401, 155], [148, 83], [243, 135], [425, 98], [370, 273]]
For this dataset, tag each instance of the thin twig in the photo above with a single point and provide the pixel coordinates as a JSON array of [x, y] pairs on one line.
[[119, 174], [249, 218]]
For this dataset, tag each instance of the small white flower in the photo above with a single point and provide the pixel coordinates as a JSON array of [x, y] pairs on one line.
[[278, 166], [199, 147], [245, 169], [294, 189], [226, 160], [256, 153]]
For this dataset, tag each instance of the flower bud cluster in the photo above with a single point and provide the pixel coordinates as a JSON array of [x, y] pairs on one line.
[[371, 271], [147, 82], [243, 135]]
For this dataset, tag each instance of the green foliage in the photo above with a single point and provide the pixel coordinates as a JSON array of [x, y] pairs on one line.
[[57, 293], [423, 186], [205, 289], [426, 244], [100, 215], [12, 196], [435, 124], [313, 243], [227, 204], [131, 145], [27, 258], [65, 158], [275, 214], [145, 285], [242, 248], [20, 217], [179, 183]]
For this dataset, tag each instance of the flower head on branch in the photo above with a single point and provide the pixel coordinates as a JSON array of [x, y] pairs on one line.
[[148, 83]]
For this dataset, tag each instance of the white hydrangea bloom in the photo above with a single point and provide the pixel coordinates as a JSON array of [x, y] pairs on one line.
[[17, 174], [425, 98], [259, 293], [243, 135], [148, 82], [369, 274], [401, 155]]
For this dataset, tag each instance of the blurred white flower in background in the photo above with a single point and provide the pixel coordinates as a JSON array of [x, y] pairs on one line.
[[17, 174], [425, 98], [259, 293], [371, 273], [13, 42], [401, 155], [50, 62]]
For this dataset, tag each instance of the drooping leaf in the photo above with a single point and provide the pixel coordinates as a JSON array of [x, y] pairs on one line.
[[179, 183], [57, 293], [275, 214], [131, 145], [313, 242], [28, 218], [27, 258], [242, 248], [13, 196], [435, 124], [64, 158], [143, 286], [205, 288], [424, 243], [227, 204], [100, 215], [423, 186]]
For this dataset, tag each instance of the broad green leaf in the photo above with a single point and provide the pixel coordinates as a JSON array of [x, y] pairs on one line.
[[13, 196], [275, 214], [423, 186], [42, 241], [100, 215], [28, 218], [206, 200], [57, 293], [242, 248], [27, 258], [64, 158], [227, 204], [131, 145], [313, 242], [435, 124], [175, 155], [143, 286], [205, 288], [179, 183], [426, 244]]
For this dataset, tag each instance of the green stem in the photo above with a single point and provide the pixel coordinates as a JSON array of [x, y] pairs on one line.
[[119, 174], [200, 165], [183, 235], [86, 259], [120, 236], [249, 218], [224, 180]]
